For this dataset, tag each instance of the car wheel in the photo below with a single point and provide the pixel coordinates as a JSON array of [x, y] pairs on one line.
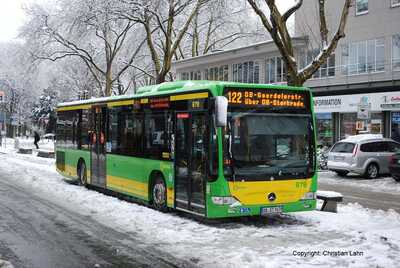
[[342, 173], [82, 174], [372, 171], [159, 194], [396, 178]]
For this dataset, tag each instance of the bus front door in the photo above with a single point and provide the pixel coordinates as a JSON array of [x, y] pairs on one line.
[[190, 161], [98, 146]]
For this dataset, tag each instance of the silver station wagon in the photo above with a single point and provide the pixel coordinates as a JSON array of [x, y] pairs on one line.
[[367, 154]]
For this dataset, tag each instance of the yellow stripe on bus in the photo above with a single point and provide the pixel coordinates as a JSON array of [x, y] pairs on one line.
[[77, 107], [120, 103], [189, 96], [170, 196], [71, 171], [128, 185]]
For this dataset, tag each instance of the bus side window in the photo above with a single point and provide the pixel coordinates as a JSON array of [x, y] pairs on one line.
[[156, 134]]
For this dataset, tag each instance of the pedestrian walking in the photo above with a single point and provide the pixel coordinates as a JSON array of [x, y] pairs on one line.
[[36, 139]]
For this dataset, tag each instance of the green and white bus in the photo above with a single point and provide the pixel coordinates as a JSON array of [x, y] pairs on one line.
[[214, 149]]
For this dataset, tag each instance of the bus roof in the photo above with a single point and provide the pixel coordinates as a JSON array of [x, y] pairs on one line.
[[174, 87]]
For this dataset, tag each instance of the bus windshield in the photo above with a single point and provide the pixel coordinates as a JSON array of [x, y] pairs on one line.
[[269, 146]]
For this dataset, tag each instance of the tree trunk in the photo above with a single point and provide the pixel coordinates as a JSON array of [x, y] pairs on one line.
[[294, 80], [109, 82], [160, 78]]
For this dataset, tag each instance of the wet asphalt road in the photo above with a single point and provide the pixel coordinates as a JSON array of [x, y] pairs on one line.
[[366, 198], [35, 232]]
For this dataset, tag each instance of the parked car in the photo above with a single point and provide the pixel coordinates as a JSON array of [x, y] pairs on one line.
[[394, 167], [49, 137], [367, 154]]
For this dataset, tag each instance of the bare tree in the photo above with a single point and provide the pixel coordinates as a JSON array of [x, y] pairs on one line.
[[220, 24], [90, 31], [165, 24], [276, 25]]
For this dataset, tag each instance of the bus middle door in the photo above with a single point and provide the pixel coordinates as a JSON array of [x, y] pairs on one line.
[[98, 146], [190, 161]]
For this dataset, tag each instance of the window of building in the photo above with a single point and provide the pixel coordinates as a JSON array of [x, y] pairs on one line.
[[217, 73], [192, 75], [185, 76], [396, 52], [275, 70], [395, 3], [326, 70], [362, 57], [246, 72], [361, 7]]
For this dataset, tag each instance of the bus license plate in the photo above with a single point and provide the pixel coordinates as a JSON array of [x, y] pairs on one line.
[[271, 210]]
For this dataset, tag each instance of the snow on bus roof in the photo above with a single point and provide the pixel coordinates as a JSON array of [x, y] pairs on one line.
[[169, 87], [92, 100]]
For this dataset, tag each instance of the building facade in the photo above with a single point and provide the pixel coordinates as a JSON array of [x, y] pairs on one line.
[[356, 91]]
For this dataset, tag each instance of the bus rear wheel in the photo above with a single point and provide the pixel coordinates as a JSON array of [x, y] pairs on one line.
[[82, 174], [159, 194]]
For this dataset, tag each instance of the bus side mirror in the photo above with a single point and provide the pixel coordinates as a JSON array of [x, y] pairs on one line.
[[221, 111]]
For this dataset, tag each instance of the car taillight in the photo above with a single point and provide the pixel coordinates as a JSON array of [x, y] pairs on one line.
[[355, 150], [392, 159]]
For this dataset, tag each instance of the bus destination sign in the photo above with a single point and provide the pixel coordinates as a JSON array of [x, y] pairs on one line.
[[266, 98]]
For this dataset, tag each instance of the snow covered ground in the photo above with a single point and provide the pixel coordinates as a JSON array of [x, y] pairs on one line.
[[381, 184], [355, 237]]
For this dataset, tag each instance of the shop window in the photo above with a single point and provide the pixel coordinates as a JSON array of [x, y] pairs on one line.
[[324, 129], [348, 123], [395, 126]]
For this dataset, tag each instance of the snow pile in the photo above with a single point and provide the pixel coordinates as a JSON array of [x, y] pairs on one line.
[[5, 264], [12, 145], [355, 237], [382, 184]]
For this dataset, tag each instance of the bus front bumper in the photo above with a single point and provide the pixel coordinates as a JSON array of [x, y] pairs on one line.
[[223, 211]]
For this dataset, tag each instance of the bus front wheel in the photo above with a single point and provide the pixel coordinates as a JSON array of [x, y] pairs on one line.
[[159, 194]]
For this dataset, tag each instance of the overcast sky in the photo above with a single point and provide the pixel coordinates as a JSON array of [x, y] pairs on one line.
[[12, 16]]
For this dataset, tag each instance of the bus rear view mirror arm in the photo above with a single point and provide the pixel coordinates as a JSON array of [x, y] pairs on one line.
[[221, 111]]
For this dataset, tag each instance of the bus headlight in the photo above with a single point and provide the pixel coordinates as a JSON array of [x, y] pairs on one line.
[[225, 200], [309, 196]]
